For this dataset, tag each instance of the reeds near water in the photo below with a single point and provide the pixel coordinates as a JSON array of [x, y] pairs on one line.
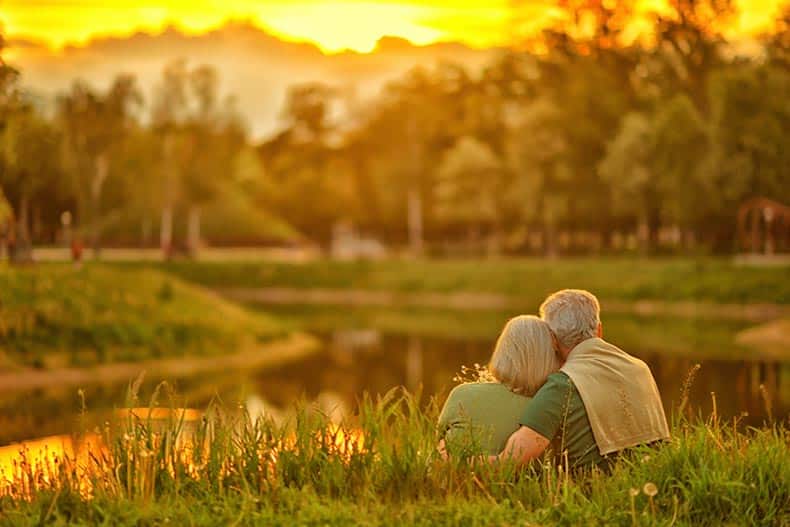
[[381, 467]]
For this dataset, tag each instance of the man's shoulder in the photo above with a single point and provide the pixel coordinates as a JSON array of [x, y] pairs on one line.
[[559, 378], [599, 350], [558, 385]]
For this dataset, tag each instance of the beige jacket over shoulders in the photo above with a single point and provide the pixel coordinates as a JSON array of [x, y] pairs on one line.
[[619, 394]]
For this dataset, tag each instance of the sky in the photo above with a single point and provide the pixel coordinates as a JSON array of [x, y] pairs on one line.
[[333, 25]]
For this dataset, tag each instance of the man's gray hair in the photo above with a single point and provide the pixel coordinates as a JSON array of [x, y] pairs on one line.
[[573, 315]]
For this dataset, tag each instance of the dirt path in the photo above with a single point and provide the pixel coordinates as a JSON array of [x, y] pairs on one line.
[[483, 301], [283, 351]]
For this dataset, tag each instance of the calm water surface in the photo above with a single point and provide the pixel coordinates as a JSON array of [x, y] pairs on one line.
[[374, 351]]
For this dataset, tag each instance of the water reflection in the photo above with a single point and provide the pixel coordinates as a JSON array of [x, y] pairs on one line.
[[143, 441], [366, 359], [414, 361], [433, 362]]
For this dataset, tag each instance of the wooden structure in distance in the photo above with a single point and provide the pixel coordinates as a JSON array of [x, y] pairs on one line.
[[764, 226]]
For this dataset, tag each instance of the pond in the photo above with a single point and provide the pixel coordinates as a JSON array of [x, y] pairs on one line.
[[374, 350]]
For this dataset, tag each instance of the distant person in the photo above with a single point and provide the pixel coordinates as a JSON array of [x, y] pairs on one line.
[[77, 249], [478, 417], [601, 402]]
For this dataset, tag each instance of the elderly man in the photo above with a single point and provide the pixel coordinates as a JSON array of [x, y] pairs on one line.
[[601, 401]]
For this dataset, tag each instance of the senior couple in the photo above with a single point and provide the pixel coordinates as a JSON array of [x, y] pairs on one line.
[[555, 383]]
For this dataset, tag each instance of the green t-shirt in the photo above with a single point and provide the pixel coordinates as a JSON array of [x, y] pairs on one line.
[[479, 417], [557, 413]]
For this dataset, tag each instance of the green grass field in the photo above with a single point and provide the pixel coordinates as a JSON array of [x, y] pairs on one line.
[[55, 316], [380, 468], [529, 280]]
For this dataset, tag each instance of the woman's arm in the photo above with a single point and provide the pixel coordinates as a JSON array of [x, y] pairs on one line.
[[523, 446]]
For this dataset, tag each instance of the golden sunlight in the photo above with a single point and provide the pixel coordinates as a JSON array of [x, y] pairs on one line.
[[332, 25]]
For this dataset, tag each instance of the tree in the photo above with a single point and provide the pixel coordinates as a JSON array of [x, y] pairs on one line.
[[168, 115], [777, 41], [690, 44], [627, 168], [95, 126], [460, 197], [215, 135], [29, 166], [538, 155], [303, 180], [749, 157], [680, 150], [586, 69]]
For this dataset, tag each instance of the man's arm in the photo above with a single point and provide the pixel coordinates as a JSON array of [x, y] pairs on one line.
[[523, 446]]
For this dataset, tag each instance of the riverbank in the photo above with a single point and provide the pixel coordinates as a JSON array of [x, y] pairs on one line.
[[705, 281], [653, 297], [57, 318], [381, 468], [279, 352], [360, 298]]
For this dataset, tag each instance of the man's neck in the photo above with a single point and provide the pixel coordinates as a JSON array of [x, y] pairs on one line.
[[564, 352]]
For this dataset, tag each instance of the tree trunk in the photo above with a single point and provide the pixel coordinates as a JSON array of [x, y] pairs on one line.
[[414, 199], [22, 251], [37, 230], [549, 232], [100, 176], [653, 228], [193, 230], [145, 231], [415, 222], [166, 231]]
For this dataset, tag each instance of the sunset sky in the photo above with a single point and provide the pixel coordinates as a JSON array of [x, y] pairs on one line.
[[334, 25]]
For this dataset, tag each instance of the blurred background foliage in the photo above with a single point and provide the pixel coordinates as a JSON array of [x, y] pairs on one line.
[[580, 140]]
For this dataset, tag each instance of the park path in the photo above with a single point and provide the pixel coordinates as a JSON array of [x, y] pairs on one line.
[[271, 354]]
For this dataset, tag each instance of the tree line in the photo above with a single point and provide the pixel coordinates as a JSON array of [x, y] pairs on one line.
[[582, 139]]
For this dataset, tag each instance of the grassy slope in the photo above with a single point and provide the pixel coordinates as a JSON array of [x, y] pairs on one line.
[[629, 279], [54, 316], [265, 474]]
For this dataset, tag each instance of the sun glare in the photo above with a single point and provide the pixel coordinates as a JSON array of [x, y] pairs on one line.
[[333, 25], [339, 26]]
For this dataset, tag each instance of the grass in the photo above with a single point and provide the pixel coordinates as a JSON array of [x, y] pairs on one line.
[[530, 280], [380, 468], [54, 316]]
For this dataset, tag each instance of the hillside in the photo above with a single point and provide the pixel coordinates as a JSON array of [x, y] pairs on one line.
[[55, 316]]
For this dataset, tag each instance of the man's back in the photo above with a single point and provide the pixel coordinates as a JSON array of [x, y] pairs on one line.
[[619, 394]]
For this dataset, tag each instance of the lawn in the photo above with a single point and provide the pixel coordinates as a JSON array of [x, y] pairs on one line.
[[54, 316], [706, 280]]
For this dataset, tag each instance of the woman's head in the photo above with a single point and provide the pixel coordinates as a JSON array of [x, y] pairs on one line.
[[524, 355]]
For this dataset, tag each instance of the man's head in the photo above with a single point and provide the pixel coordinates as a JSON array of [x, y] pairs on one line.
[[574, 315]]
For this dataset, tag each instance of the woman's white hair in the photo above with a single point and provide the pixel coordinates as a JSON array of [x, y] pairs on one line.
[[573, 315], [524, 355]]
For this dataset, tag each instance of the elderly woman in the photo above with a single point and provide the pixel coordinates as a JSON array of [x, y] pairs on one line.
[[479, 417]]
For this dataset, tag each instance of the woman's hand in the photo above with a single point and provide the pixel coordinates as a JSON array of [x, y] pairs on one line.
[[442, 449]]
